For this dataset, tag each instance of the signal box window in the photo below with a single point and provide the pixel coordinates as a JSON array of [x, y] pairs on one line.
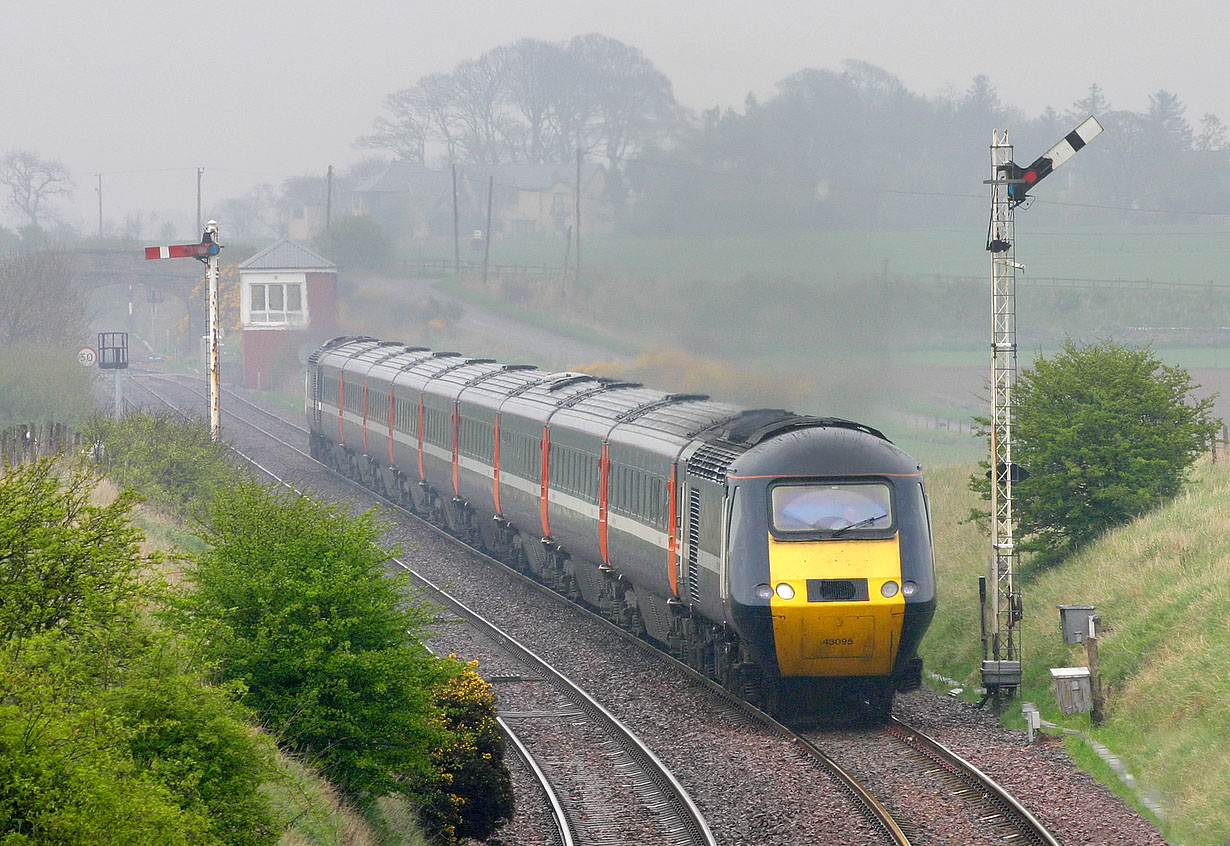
[[839, 509], [276, 303]]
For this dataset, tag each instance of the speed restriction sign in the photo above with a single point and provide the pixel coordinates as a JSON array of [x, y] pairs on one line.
[[86, 357]]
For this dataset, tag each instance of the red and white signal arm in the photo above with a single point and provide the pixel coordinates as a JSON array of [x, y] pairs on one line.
[[1024, 179], [87, 357], [201, 251]]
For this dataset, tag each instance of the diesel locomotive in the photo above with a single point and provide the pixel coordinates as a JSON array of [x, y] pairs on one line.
[[788, 557]]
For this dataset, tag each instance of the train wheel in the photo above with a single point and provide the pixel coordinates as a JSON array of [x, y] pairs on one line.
[[877, 700]]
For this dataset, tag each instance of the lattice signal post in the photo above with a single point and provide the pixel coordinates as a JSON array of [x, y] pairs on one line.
[[1001, 605], [207, 252]]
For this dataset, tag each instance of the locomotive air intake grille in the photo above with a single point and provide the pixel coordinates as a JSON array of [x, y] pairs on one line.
[[836, 590]]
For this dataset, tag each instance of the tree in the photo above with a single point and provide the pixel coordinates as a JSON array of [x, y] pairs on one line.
[[33, 182], [40, 299], [533, 101], [1106, 433], [1212, 136]]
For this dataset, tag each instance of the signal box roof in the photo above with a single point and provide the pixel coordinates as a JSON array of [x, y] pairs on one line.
[[287, 255]]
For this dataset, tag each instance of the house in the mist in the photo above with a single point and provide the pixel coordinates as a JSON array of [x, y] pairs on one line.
[[526, 199], [288, 302]]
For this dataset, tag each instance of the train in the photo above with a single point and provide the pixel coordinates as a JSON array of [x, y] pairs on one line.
[[787, 557]]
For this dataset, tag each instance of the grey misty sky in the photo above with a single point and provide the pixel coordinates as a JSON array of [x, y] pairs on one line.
[[145, 92]]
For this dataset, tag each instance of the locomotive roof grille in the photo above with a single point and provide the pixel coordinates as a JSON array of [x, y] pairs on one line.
[[711, 460], [521, 389], [340, 341]]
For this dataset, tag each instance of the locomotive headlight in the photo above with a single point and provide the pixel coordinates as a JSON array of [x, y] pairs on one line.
[[764, 592], [909, 589], [785, 591], [888, 590]]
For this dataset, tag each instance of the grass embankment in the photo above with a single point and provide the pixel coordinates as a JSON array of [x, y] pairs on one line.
[[1162, 588]]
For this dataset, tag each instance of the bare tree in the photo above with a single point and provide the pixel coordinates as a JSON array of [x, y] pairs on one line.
[[533, 101], [479, 89], [631, 100], [40, 299], [32, 182]]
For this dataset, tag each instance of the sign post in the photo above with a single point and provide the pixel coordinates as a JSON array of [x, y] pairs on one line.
[[113, 355], [206, 252]]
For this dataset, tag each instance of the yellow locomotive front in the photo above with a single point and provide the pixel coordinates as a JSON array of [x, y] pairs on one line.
[[835, 571], [831, 572]]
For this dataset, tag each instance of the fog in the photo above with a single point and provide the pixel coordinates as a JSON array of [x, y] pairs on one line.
[[146, 92]]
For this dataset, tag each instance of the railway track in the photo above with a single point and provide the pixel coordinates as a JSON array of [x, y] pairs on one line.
[[992, 814], [618, 793]]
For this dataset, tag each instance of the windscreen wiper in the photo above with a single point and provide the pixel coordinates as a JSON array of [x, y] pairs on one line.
[[859, 524]]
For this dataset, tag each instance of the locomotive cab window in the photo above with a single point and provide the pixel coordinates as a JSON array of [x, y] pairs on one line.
[[861, 509]]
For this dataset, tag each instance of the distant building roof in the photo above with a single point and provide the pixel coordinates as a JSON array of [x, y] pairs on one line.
[[287, 255]]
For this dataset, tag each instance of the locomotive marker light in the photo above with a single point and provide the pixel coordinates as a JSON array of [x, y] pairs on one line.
[[206, 252], [1010, 186]]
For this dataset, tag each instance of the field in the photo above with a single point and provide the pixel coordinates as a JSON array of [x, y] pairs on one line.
[[890, 330], [1175, 254]]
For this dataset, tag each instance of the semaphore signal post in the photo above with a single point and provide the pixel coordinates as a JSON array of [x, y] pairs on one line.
[[1001, 604], [207, 252]]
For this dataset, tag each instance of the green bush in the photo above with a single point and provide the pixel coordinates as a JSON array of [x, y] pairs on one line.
[[294, 602], [469, 793], [107, 734], [168, 458]]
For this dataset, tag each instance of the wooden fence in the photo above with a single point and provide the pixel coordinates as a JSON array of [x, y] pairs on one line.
[[31, 441]]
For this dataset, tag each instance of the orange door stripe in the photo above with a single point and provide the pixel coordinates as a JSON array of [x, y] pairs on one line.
[[604, 475], [545, 483], [456, 438], [422, 416], [495, 480], [672, 543]]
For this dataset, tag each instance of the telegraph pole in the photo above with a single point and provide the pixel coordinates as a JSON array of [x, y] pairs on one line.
[[329, 211], [1010, 185], [487, 242], [199, 172], [456, 227], [578, 218]]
